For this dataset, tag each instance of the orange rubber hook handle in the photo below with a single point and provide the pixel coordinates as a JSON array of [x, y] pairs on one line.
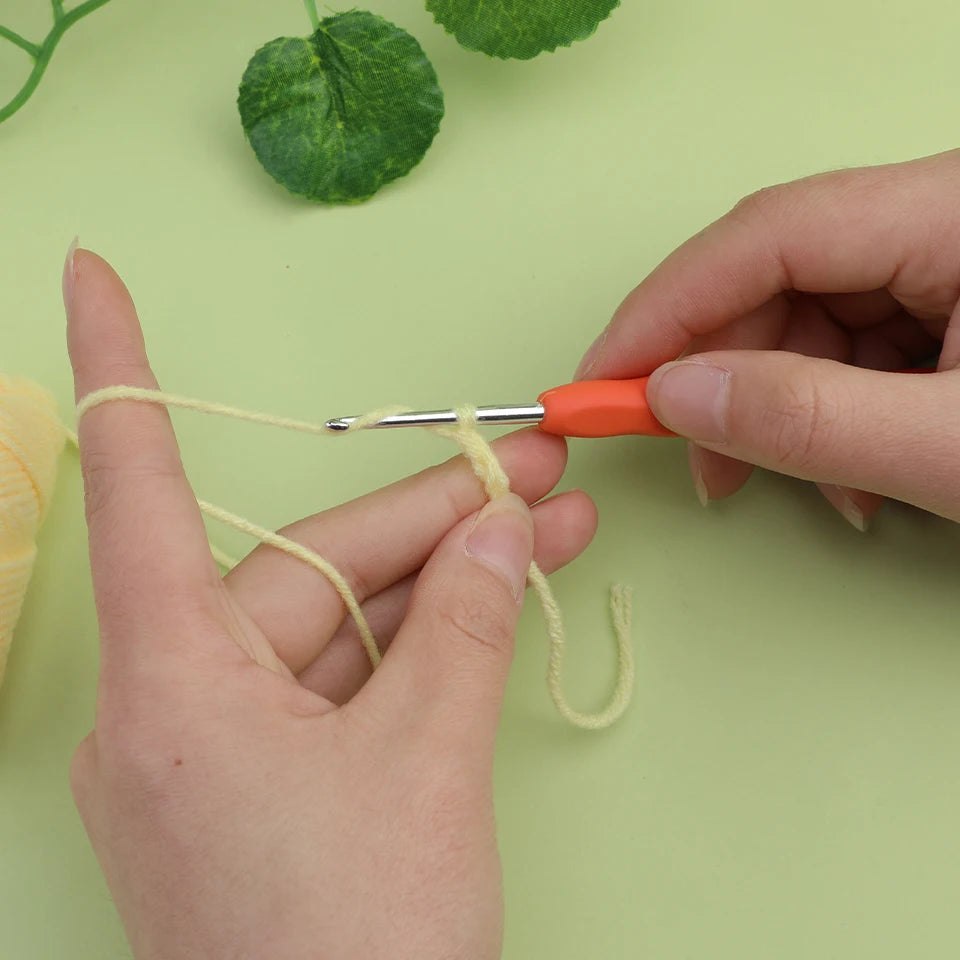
[[609, 408], [600, 408]]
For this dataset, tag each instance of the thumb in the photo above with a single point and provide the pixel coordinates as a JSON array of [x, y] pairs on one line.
[[889, 433], [450, 658]]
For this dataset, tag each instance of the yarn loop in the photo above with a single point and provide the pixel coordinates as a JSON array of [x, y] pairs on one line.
[[495, 482], [32, 437]]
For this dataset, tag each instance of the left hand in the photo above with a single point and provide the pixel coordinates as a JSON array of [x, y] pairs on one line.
[[249, 789]]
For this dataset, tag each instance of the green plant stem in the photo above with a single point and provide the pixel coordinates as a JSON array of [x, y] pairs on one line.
[[42, 54], [311, 6], [21, 42]]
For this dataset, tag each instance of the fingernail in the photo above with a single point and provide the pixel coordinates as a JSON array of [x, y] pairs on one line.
[[69, 275], [696, 471], [847, 507], [691, 398], [502, 538], [854, 515], [591, 357]]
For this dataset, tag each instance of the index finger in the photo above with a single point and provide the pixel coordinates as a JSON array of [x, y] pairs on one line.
[[891, 226], [148, 547]]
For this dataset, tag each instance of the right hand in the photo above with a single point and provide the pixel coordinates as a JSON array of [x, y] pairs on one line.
[[858, 266]]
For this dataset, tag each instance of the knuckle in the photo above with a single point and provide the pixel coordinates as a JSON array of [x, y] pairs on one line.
[[799, 423], [112, 362], [762, 214], [107, 482], [478, 619], [458, 501], [361, 584], [761, 206], [99, 484]]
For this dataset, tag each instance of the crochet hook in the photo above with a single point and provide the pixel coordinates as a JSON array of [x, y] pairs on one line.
[[588, 408]]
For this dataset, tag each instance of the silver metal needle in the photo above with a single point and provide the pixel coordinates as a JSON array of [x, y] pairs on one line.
[[492, 416]]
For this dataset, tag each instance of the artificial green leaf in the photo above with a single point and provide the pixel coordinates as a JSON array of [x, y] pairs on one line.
[[335, 116], [520, 29]]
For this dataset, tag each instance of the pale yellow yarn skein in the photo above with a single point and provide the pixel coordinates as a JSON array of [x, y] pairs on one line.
[[31, 440]]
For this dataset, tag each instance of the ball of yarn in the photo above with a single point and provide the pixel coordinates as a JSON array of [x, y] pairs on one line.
[[31, 440]]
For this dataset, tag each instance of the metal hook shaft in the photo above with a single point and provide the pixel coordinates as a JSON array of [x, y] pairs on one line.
[[516, 415]]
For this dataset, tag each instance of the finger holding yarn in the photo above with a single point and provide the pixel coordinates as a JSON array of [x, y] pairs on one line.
[[496, 483], [31, 440]]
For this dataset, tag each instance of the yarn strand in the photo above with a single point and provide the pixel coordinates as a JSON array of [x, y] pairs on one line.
[[106, 394], [492, 476], [314, 560]]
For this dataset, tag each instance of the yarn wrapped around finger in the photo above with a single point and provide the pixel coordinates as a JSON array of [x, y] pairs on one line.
[[32, 438], [491, 475]]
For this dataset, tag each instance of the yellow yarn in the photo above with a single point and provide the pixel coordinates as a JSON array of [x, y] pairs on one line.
[[31, 439], [314, 560], [491, 474], [495, 482]]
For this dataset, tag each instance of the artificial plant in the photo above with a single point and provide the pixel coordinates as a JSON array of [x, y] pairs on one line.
[[336, 115], [41, 53], [356, 104]]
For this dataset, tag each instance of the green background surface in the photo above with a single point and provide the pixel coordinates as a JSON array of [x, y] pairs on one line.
[[786, 783]]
